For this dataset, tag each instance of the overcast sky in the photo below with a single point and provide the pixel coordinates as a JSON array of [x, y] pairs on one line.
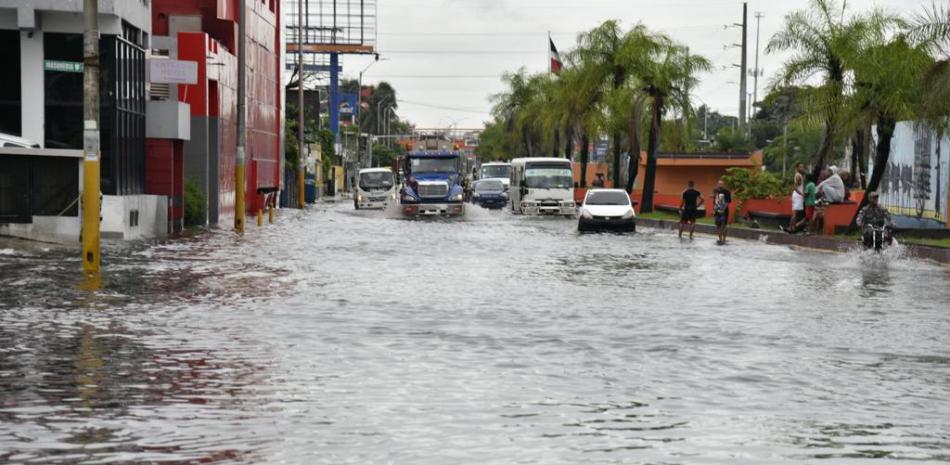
[[445, 57]]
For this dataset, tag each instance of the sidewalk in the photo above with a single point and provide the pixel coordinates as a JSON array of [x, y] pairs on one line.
[[829, 243]]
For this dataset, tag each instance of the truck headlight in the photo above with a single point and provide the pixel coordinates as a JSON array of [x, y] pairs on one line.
[[457, 197]]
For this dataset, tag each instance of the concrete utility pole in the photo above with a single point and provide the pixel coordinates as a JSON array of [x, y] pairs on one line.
[[756, 71], [91, 203], [301, 161], [743, 80], [240, 162]]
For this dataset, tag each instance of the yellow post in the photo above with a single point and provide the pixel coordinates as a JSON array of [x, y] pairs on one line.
[[260, 217], [239, 165], [239, 192], [270, 214], [90, 216], [91, 208]]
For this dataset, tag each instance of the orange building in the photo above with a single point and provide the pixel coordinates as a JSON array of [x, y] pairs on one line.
[[675, 170]]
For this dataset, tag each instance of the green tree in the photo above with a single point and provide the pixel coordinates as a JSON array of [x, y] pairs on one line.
[[512, 106], [826, 41], [889, 87], [931, 29], [666, 79]]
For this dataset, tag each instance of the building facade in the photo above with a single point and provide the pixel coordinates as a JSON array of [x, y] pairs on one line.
[[155, 137], [41, 100]]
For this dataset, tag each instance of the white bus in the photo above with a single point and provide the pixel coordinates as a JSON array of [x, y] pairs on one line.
[[375, 188], [542, 186]]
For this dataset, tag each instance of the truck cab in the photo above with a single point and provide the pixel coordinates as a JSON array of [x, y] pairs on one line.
[[433, 184], [375, 188], [542, 186]]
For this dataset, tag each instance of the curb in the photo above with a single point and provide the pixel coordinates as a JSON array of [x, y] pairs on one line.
[[832, 244]]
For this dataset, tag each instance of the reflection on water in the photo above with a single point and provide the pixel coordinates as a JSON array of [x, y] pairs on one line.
[[345, 337]]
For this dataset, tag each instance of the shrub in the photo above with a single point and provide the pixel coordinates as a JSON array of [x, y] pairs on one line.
[[752, 184], [196, 205]]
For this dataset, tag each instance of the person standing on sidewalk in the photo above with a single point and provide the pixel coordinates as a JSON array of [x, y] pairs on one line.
[[721, 210], [689, 208]]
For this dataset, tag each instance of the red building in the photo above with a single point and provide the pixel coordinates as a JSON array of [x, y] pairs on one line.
[[206, 32]]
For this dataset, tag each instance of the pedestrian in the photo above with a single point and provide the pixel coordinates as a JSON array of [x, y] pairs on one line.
[[811, 198], [599, 180], [798, 211], [722, 214], [689, 208], [832, 188]]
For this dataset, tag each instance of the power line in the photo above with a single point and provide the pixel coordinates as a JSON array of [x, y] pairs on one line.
[[440, 107]]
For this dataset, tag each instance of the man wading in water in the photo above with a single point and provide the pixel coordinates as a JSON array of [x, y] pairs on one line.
[[689, 209]]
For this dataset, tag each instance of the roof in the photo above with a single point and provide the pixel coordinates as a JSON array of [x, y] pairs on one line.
[[539, 159], [434, 153]]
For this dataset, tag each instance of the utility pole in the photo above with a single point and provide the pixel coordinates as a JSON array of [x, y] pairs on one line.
[[743, 80], [756, 71], [241, 160], [686, 106], [301, 161], [91, 203]]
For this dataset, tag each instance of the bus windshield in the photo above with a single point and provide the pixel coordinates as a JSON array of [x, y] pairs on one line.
[[548, 177], [435, 165], [495, 171]]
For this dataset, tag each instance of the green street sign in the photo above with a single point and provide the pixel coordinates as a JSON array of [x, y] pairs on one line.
[[63, 66]]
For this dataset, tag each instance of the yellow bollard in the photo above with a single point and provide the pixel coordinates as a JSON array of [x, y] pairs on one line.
[[260, 217], [270, 214]]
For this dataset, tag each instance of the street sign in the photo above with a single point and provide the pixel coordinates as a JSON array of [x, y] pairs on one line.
[[63, 66], [163, 71]]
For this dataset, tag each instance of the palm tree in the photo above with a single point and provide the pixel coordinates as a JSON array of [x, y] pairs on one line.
[[826, 42], [514, 105], [931, 29], [602, 50], [888, 87], [666, 80]]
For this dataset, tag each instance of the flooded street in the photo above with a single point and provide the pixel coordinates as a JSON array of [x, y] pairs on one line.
[[344, 337]]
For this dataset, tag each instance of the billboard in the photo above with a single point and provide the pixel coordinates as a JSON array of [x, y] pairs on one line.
[[915, 180]]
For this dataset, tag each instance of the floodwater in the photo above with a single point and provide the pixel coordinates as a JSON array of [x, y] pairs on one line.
[[342, 337]]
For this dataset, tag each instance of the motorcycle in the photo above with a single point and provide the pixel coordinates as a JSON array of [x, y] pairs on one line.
[[877, 238]]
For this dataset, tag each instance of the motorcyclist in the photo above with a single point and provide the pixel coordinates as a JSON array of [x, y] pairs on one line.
[[877, 216]]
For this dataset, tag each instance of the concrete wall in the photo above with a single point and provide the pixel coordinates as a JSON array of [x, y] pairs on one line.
[[152, 216], [61, 229]]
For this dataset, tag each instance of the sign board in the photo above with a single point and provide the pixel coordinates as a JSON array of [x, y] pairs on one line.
[[63, 66], [162, 71]]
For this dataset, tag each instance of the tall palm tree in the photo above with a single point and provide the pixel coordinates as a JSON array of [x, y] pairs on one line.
[[826, 41], [666, 80], [602, 51], [514, 105], [888, 87], [931, 29]]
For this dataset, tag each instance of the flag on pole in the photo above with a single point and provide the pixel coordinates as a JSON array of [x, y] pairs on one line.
[[556, 63]]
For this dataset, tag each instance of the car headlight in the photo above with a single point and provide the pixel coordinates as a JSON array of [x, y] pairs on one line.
[[586, 215], [456, 198], [504, 194], [476, 195], [628, 215]]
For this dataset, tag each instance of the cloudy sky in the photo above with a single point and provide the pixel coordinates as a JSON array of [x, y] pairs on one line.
[[445, 57]]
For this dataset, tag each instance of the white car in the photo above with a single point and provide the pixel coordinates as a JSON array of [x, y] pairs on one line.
[[607, 209]]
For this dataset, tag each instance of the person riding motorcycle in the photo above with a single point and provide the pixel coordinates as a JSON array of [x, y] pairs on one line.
[[874, 216]]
